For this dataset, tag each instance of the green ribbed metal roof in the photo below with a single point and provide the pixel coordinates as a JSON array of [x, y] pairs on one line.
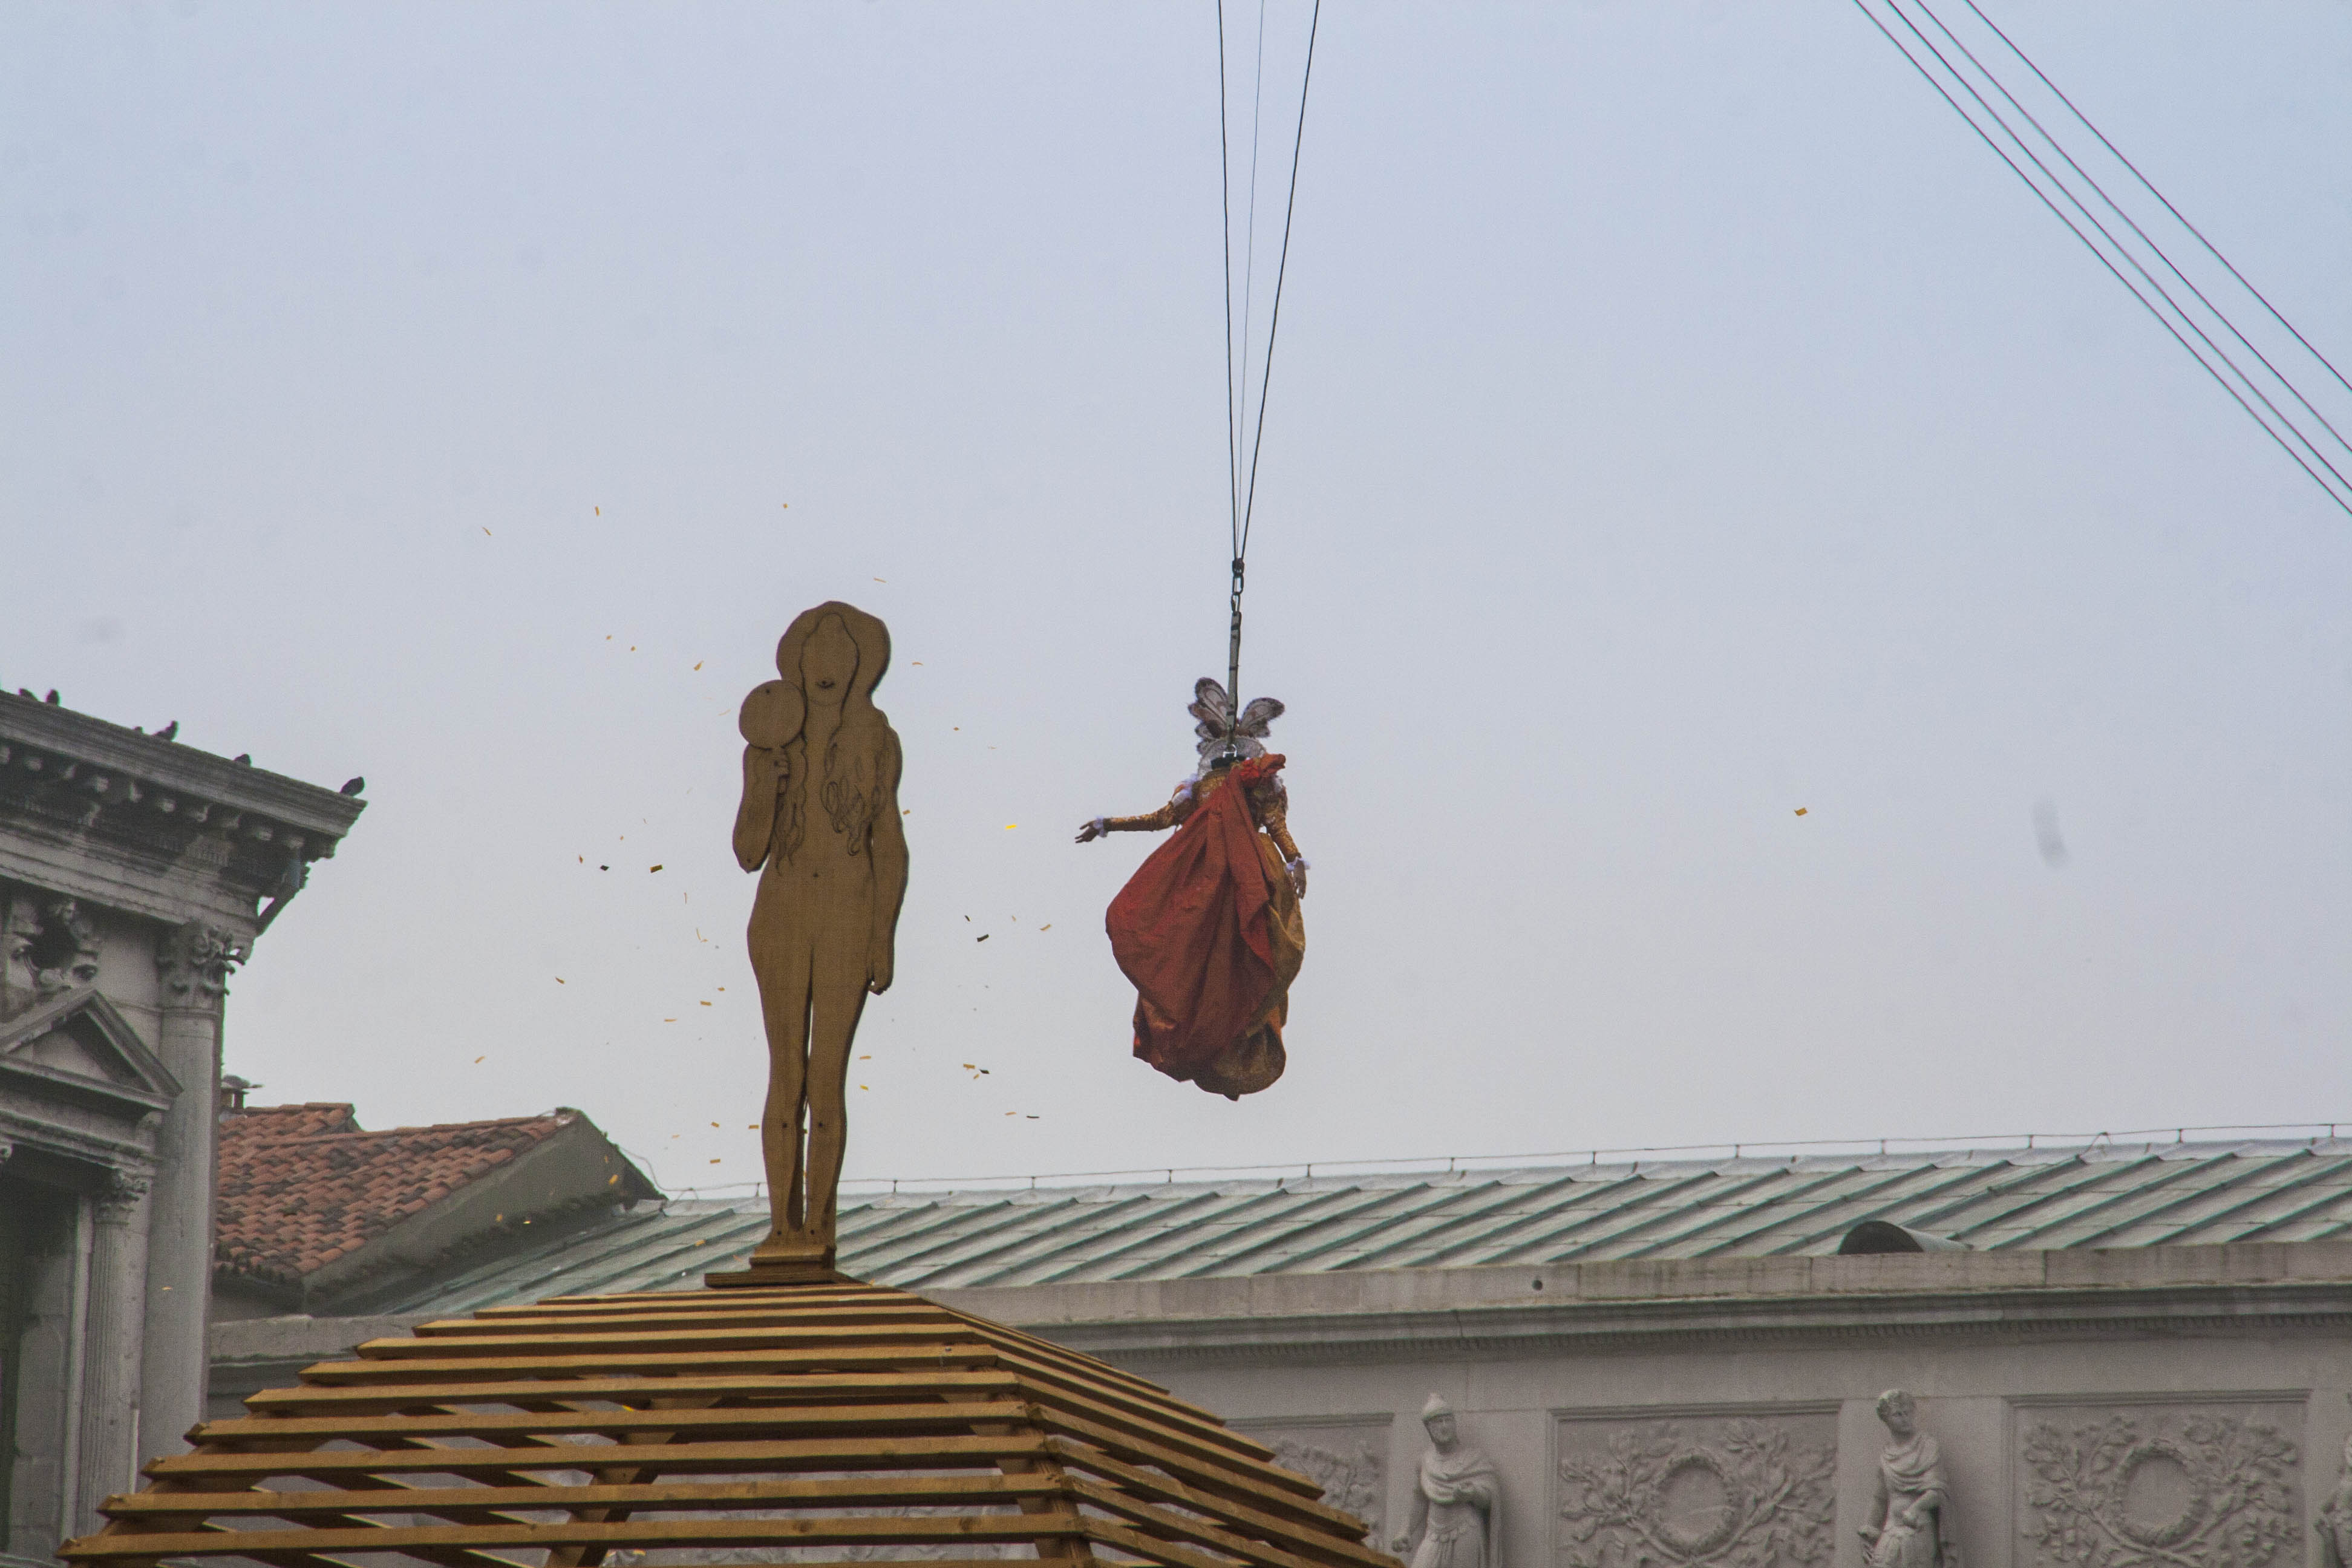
[[2137, 1195]]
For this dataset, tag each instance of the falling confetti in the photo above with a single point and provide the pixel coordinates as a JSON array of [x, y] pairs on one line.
[[697, 664], [1800, 811], [604, 868], [714, 1162], [670, 1020], [559, 980], [714, 1124], [881, 579], [706, 1004], [1010, 826], [656, 867], [984, 937], [1047, 926], [487, 535], [478, 1060], [600, 512]]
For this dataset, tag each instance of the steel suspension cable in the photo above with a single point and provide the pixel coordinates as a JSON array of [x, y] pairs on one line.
[[1238, 418]]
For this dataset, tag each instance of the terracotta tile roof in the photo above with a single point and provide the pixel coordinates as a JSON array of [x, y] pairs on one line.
[[301, 1186]]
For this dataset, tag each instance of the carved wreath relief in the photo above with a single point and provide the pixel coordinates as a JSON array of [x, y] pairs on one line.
[[2168, 1489], [1727, 1493]]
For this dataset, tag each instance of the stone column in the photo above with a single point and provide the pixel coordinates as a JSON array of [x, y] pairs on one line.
[[194, 961], [106, 1456]]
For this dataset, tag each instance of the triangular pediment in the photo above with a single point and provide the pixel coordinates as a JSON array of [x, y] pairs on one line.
[[79, 1046]]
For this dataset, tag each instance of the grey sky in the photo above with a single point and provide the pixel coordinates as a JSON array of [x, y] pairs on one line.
[[1681, 419]]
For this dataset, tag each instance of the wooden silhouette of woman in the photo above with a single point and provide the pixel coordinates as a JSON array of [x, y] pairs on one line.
[[820, 812]]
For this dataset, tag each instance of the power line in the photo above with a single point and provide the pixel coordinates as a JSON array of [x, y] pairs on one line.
[[2209, 247], [2147, 240], [2105, 260]]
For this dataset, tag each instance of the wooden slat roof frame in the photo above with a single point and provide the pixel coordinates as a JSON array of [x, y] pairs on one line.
[[812, 1416]]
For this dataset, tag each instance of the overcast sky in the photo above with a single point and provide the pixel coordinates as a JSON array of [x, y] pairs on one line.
[[1681, 419]]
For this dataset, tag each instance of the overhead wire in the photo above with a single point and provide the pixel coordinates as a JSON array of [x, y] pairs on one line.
[[2211, 247], [2149, 240], [1240, 426], [2121, 250]]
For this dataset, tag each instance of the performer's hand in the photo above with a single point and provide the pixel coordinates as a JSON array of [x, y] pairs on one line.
[[877, 971], [1298, 869], [1091, 831]]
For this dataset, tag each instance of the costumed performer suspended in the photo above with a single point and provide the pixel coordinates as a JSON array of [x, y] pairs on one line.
[[1207, 927]]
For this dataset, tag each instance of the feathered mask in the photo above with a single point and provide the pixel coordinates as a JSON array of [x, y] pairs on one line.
[[1215, 710]]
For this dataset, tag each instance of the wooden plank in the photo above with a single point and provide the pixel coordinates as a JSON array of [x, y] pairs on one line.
[[905, 1310], [573, 1363], [1312, 1536], [311, 1399], [878, 1491], [1180, 1425], [1183, 1439], [643, 1534], [1168, 1553], [847, 1418], [1046, 1349], [1215, 1478], [1165, 1524], [684, 1337], [813, 1454]]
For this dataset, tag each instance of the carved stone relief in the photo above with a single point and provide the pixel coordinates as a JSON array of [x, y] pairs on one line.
[[47, 946], [2188, 1486], [1725, 1491], [194, 961], [1348, 1458]]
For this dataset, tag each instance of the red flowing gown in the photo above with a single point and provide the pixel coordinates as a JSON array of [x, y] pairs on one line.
[[1209, 930]]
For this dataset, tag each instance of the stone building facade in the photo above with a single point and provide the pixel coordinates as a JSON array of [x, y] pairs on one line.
[[135, 874], [2126, 1356]]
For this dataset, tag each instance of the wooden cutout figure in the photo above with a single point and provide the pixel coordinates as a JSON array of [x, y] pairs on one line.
[[1209, 927], [820, 813]]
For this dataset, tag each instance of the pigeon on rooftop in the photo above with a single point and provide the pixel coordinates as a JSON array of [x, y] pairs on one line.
[[168, 731], [353, 786], [52, 697], [243, 759]]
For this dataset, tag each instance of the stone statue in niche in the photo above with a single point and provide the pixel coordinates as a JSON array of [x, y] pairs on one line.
[[2333, 1525], [1457, 1500], [820, 819], [1908, 1515]]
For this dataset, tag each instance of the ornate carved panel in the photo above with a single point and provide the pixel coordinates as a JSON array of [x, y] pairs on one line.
[[1722, 1491], [1349, 1457], [2159, 1486]]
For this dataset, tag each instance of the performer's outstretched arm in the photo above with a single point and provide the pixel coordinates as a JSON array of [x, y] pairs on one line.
[[1160, 821]]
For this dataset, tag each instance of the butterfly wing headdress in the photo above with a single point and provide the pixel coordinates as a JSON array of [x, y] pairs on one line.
[[1214, 711]]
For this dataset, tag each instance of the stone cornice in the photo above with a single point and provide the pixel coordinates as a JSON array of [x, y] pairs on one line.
[[1596, 1308], [151, 827], [1587, 1328]]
